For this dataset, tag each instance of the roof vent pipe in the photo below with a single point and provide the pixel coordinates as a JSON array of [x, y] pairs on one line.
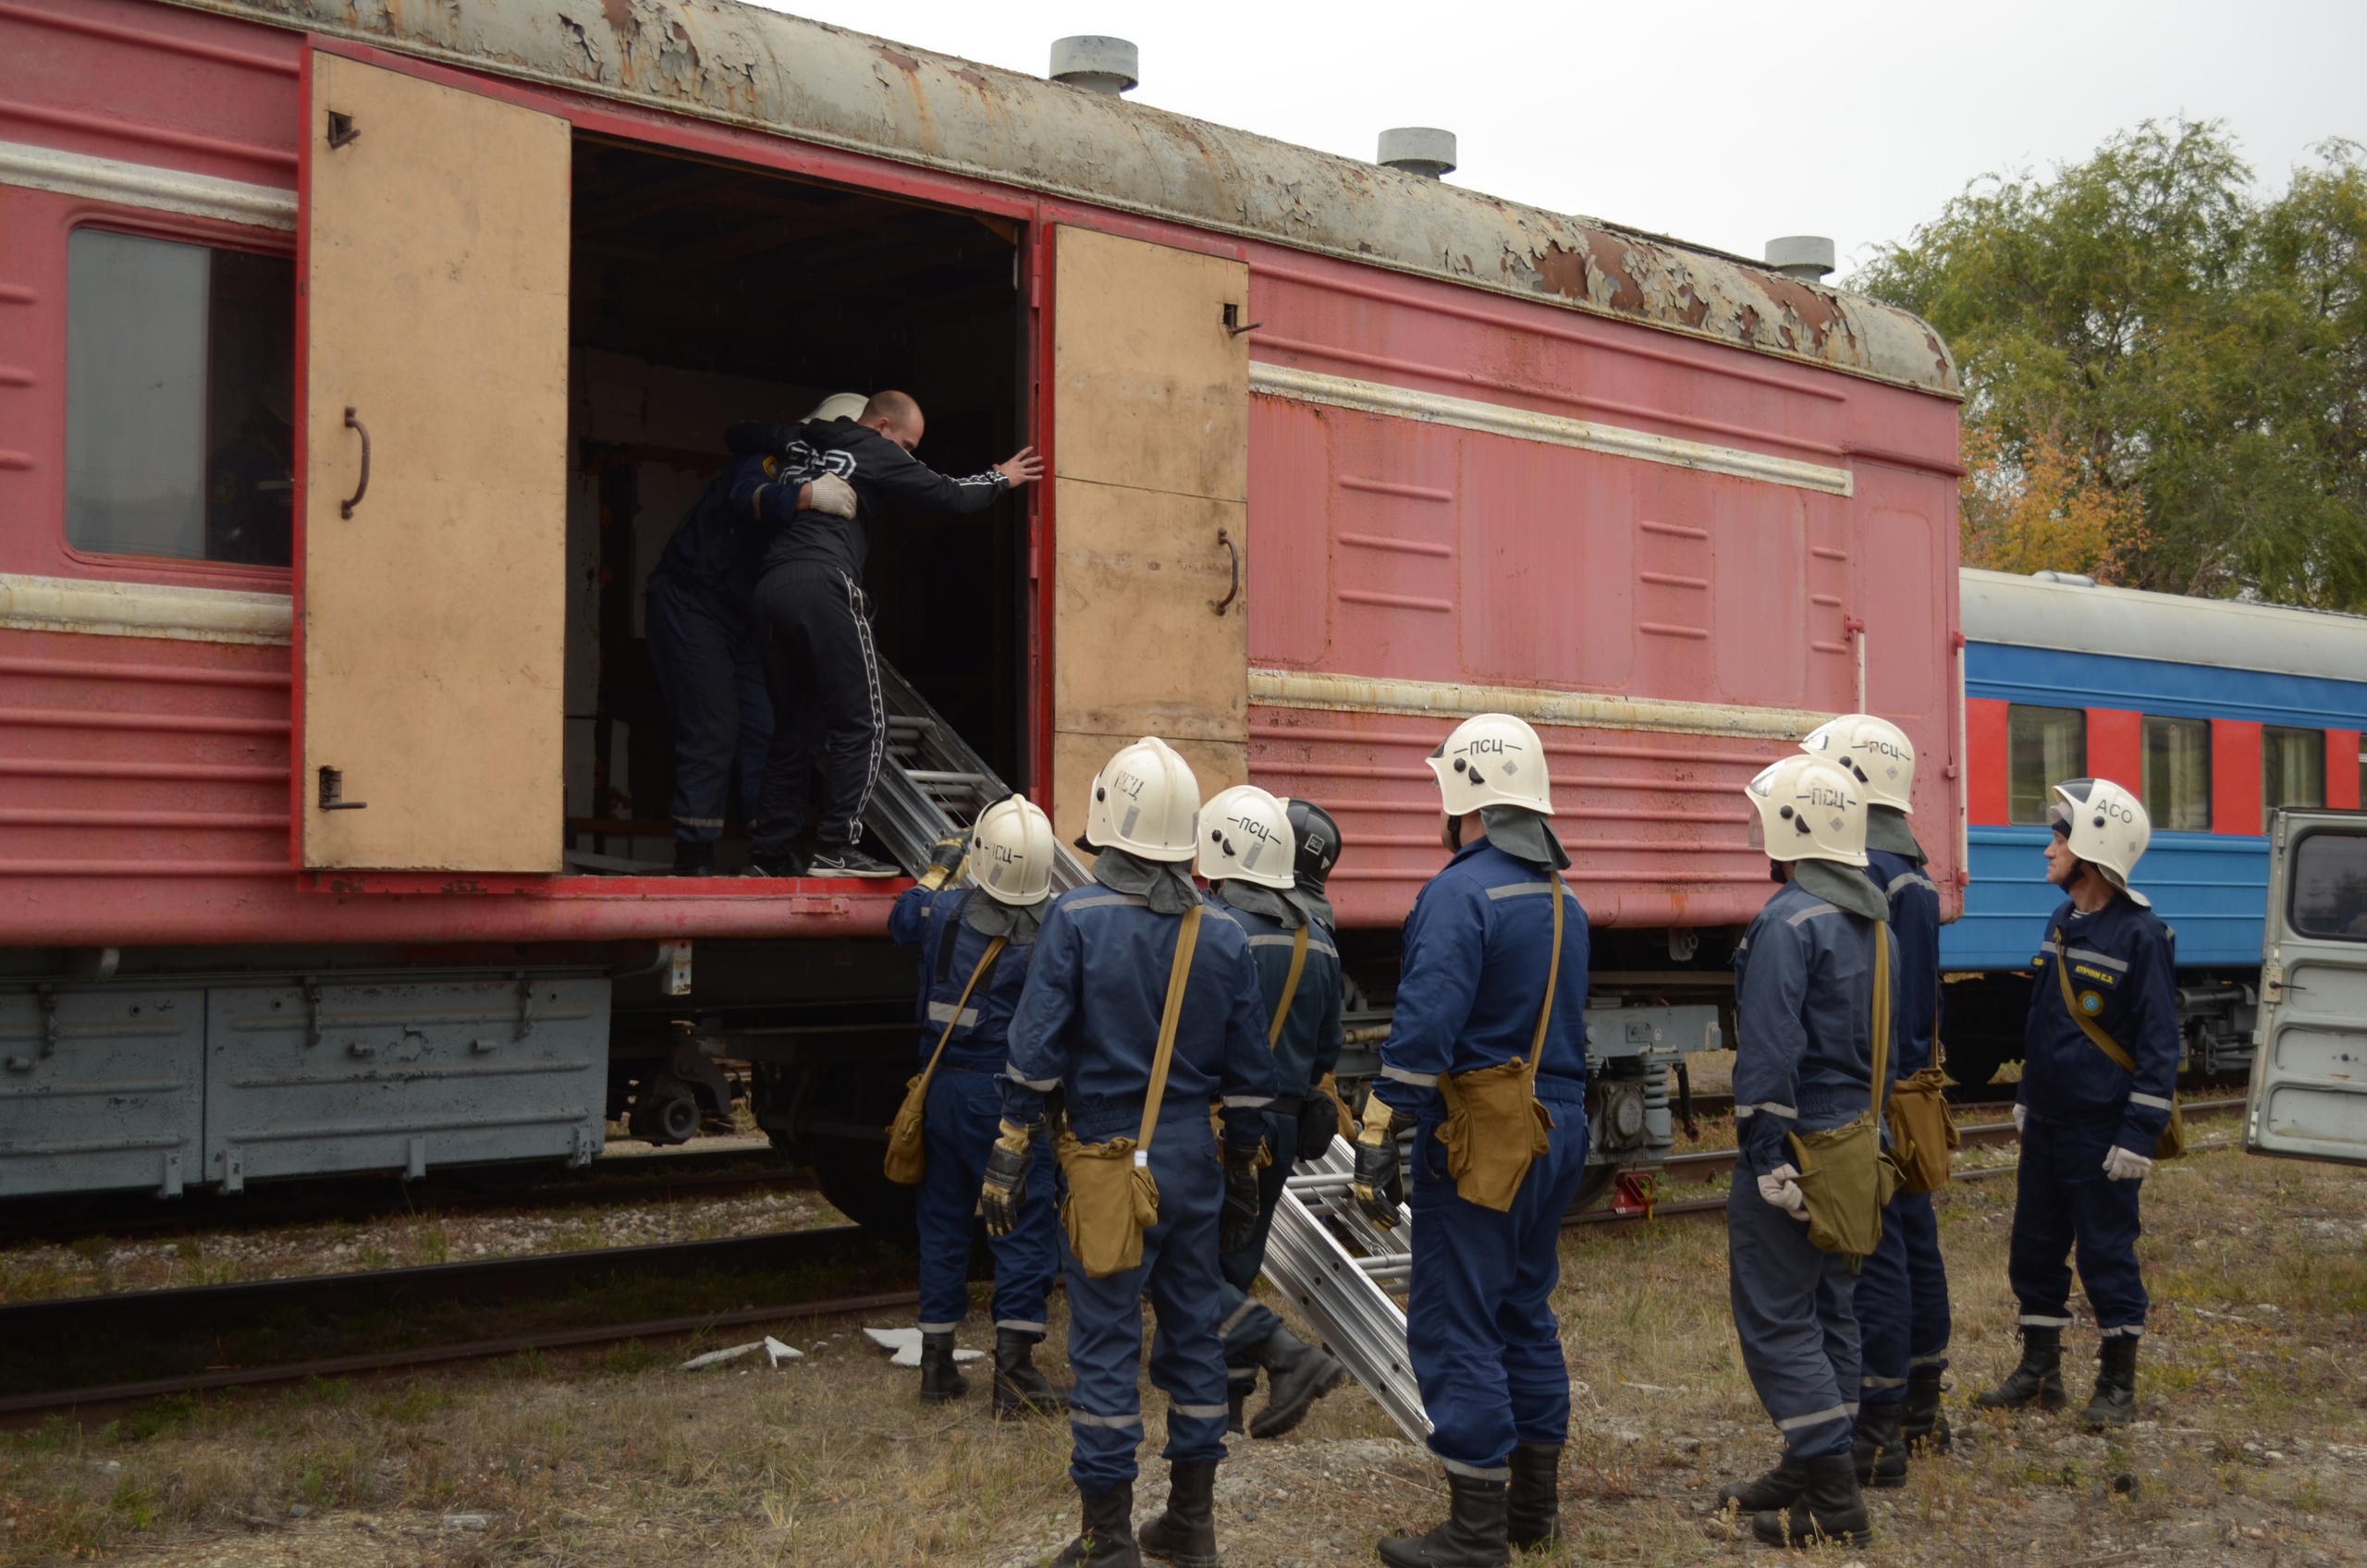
[[1107, 66], [1418, 149], [1805, 256]]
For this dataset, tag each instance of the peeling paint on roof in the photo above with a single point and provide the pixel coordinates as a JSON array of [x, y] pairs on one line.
[[822, 84]]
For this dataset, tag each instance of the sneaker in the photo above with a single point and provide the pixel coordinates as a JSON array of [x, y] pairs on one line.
[[846, 860], [787, 867]]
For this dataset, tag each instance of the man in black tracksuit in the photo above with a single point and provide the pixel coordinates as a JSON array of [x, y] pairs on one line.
[[814, 626]]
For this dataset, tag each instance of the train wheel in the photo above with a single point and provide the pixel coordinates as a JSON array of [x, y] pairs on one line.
[[665, 1110], [848, 1169], [1597, 1181]]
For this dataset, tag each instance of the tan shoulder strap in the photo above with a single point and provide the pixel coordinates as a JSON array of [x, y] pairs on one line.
[[1290, 989], [1179, 975], [1882, 1012], [2088, 1027], [986, 962], [1552, 979]]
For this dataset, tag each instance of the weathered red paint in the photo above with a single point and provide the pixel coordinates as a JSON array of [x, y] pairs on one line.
[[1986, 735], [145, 791], [2117, 748]]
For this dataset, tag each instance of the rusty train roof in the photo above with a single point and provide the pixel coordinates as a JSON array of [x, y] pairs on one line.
[[788, 76]]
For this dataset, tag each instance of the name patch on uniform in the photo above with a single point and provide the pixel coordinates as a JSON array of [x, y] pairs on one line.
[[2096, 975]]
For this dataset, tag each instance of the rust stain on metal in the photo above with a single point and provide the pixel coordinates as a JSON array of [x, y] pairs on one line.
[[619, 17]]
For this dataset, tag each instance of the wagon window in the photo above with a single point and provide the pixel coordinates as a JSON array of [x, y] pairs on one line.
[[2178, 774], [2330, 886], [2043, 745], [2292, 770], [180, 380]]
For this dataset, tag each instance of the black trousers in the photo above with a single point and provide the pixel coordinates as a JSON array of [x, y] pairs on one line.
[[714, 684], [813, 627]]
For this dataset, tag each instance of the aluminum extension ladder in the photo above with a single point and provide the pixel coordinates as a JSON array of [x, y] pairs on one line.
[[1342, 1288], [934, 784]]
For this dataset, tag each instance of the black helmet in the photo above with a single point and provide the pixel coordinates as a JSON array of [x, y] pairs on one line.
[[1319, 842]]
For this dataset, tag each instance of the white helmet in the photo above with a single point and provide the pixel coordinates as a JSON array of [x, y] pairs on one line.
[[1809, 809], [1877, 751], [1494, 760], [2107, 825], [838, 405], [1146, 803], [1010, 851], [1246, 833]]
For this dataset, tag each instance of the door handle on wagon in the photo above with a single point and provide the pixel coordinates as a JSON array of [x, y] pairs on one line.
[[361, 489], [1232, 593]]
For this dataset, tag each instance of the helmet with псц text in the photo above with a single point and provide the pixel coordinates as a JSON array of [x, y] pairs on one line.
[[1809, 809], [1877, 751], [1492, 760], [1012, 852], [1145, 800]]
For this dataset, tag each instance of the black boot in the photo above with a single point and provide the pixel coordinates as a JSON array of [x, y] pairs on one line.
[[1876, 1450], [1020, 1389], [1533, 1501], [1473, 1535], [1107, 1539], [939, 1382], [693, 859], [1186, 1533], [1780, 1488], [1297, 1375], [2038, 1381], [1236, 1399], [1829, 1509], [1924, 1426], [2116, 1400]]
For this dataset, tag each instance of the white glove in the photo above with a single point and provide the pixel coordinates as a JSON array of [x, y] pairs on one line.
[[2020, 1116], [1781, 1187], [831, 496], [2125, 1165]]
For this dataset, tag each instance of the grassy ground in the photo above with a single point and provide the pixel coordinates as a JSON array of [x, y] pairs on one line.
[[2255, 1424]]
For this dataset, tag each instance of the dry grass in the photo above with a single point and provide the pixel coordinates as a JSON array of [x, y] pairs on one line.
[[2252, 1381]]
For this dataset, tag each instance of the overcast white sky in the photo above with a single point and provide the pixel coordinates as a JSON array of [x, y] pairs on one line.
[[1716, 121]]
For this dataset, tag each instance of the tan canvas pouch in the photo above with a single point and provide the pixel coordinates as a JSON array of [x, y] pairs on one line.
[[2172, 1143], [1845, 1176], [907, 1156], [1495, 1126], [1113, 1197]]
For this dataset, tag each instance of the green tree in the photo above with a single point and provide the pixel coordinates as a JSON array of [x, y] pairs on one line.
[[2166, 370]]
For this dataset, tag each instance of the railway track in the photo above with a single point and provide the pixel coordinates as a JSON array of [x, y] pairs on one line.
[[205, 1338], [652, 1178]]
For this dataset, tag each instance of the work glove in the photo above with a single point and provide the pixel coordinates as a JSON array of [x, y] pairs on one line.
[[2021, 1114], [944, 860], [1781, 1187], [1318, 1124], [831, 496], [1238, 1226], [2125, 1165], [1006, 1184], [1379, 1185]]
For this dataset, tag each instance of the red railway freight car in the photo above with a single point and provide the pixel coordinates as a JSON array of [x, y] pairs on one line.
[[355, 364]]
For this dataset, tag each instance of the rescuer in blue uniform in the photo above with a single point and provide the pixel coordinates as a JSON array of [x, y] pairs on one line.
[[1902, 1293], [1009, 861], [1499, 1142], [1088, 1025], [1804, 982], [702, 633], [2090, 1126], [1248, 853]]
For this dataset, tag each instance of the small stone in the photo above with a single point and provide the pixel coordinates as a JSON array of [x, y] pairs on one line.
[[467, 1521], [2254, 1532], [298, 1510], [2274, 1456], [106, 1466]]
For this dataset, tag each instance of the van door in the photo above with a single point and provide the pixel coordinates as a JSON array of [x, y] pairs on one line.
[[2309, 1088], [1150, 465], [431, 568]]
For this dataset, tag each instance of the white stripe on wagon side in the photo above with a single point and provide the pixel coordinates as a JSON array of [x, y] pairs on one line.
[[1521, 424], [1443, 699], [99, 608], [146, 185]]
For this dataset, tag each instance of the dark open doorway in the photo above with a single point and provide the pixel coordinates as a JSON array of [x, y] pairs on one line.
[[704, 293]]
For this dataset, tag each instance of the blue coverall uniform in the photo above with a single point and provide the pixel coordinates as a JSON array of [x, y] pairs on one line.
[[703, 641], [1902, 1295], [965, 1106], [1804, 982], [2078, 1103], [1307, 1049], [1087, 1023], [1479, 1329]]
